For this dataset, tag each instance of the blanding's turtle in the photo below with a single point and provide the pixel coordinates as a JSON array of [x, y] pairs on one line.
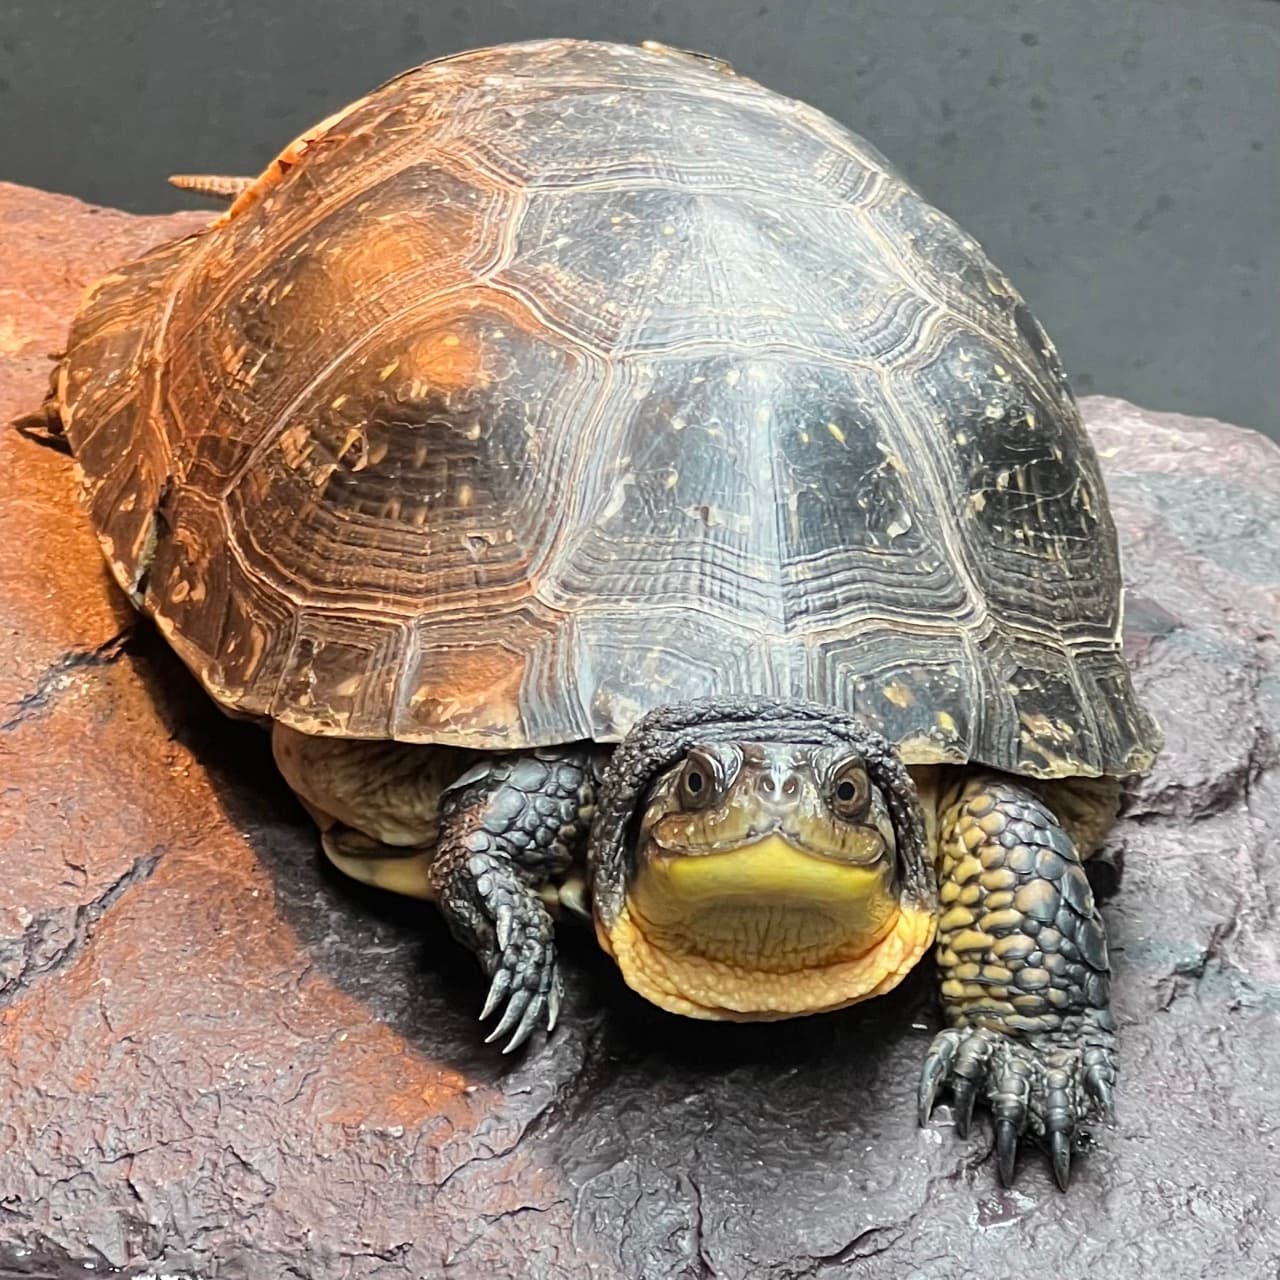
[[622, 491]]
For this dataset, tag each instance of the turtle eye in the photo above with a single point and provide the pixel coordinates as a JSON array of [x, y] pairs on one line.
[[848, 790], [702, 779]]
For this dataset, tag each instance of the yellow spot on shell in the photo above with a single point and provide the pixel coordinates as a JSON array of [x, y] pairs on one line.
[[387, 370], [733, 377], [668, 229], [451, 340], [1030, 418], [338, 401], [946, 722], [835, 431], [465, 495], [1042, 726], [898, 694], [355, 437], [892, 460]]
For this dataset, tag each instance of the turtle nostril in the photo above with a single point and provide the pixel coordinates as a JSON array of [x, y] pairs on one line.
[[775, 786]]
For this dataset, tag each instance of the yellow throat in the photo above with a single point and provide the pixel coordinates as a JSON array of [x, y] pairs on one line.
[[763, 931]]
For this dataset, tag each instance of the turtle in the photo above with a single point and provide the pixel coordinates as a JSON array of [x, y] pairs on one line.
[[623, 496]]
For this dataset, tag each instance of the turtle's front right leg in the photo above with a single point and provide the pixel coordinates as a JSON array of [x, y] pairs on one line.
[[508, 827], [483, 844]]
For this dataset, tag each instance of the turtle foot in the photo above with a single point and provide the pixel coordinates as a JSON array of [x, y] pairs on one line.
[[505, 923], [1043, 1084]]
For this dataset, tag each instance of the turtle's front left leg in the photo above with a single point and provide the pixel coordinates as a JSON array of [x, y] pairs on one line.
[[1025, 975]]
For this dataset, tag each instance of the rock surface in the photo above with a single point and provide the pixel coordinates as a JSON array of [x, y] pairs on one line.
[[217, 1060]]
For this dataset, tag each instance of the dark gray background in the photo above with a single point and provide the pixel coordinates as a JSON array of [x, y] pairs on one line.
[[1117, 157]]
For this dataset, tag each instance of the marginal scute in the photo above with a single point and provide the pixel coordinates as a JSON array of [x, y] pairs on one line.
[[549, 383]]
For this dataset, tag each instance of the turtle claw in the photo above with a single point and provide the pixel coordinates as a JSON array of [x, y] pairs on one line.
[[1060, 1153], [494, 912], [1006, 1149], [937, 1066], [554, 997], [524, 971], [965, 1093], [533, 1012], [1097, 1084], [498, 988], [1044, 1084]]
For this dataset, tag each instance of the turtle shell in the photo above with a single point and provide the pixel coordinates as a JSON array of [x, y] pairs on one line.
[[552, 382]]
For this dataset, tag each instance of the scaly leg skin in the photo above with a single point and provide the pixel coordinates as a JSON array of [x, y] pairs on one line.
[[509, 826], [1026, 981]]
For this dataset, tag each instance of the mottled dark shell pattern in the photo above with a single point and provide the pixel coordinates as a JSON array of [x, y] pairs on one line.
[[554, 382]]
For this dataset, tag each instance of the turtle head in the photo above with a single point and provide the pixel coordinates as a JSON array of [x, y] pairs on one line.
[[768, 866]]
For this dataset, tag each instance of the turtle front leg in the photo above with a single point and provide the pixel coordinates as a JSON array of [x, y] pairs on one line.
[[1025, 976], [509, 826]]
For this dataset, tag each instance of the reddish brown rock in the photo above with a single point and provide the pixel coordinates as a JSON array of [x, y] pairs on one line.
[[220, 1061]]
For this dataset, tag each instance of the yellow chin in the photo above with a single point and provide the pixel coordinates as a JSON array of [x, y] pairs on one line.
[[764, 931]]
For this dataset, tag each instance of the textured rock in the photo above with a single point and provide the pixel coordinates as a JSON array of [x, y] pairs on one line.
[[216, 1059]]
